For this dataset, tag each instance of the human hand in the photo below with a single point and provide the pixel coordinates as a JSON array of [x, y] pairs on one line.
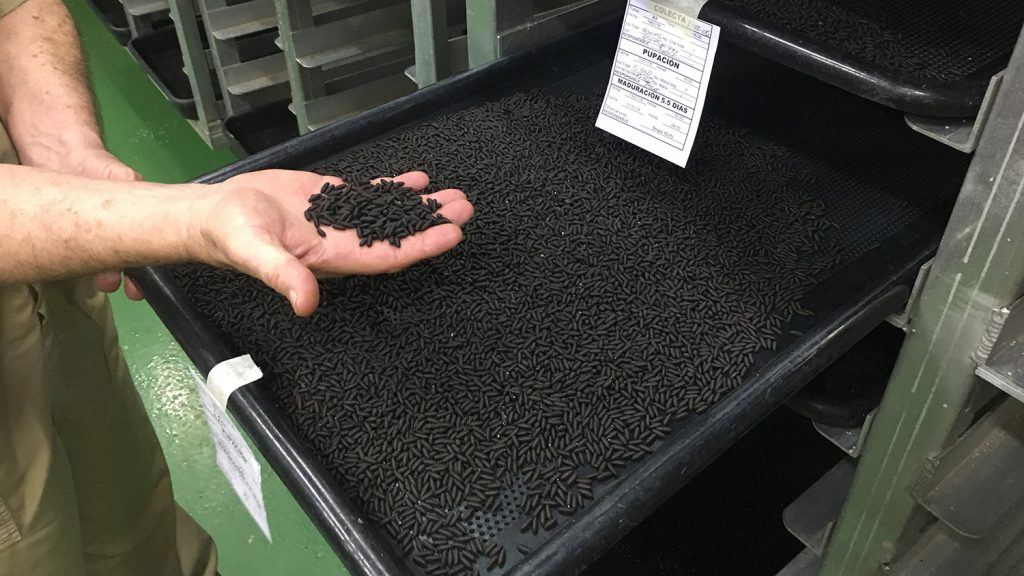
[[81, 156], [254, 222], [99, 163]]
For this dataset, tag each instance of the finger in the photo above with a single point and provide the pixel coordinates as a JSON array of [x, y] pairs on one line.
[[416, 180], [289, 277], [108, 282], [120, 172], [114, 169], [457, 212], [429, 243], [132, 290], [454, 205], [124, 173], [447, 195]]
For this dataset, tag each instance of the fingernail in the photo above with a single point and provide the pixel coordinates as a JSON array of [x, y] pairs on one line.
[[293, 297]]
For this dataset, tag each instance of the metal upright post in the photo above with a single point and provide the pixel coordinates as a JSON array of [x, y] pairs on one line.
[[979, 268], [430, 33], [223, 53], [306, 83], [485, 22]]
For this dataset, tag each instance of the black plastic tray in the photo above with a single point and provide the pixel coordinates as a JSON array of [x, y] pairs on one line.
[[928, 57], [111, 14], [262, 128], [160, 54], [851, 301]]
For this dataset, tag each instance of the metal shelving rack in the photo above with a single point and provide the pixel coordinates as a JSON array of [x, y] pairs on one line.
[[493, 29], [330, 59], [209, 115], [352, 61], [249, 66], [143, 13], [496, 29], [439, 34], [935, 493]]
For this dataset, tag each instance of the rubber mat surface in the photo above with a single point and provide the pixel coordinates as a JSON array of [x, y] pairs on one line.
[[475, 403]]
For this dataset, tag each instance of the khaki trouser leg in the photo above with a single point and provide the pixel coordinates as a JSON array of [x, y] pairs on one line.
[[125, 508], [39, 529]]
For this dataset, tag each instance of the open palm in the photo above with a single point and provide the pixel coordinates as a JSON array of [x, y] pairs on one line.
[[257, 226]]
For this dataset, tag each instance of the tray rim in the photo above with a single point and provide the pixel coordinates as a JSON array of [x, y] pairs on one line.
[[905, 92]]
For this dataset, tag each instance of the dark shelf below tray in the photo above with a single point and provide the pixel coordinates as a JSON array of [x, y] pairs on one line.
[[926, 57], [159, 53], [727, 521], [848, 390], [262, 128]]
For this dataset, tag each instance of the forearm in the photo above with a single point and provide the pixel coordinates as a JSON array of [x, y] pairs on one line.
[[45, 100], [57, 226]]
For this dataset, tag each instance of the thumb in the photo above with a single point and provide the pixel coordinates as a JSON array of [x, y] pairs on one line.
[[118, 171], [111, 168], [289, 277], [108, 281]]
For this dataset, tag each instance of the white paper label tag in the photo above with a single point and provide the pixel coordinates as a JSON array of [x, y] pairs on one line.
[[230, 375], [234, 457], [659, 80]]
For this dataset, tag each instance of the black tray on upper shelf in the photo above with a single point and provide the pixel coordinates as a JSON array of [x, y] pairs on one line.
[[160, 54], [927, 57], [111, 14], [887, 189], [262, 128]]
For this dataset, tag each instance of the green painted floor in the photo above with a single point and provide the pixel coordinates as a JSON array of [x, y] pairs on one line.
[[142, 129]]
